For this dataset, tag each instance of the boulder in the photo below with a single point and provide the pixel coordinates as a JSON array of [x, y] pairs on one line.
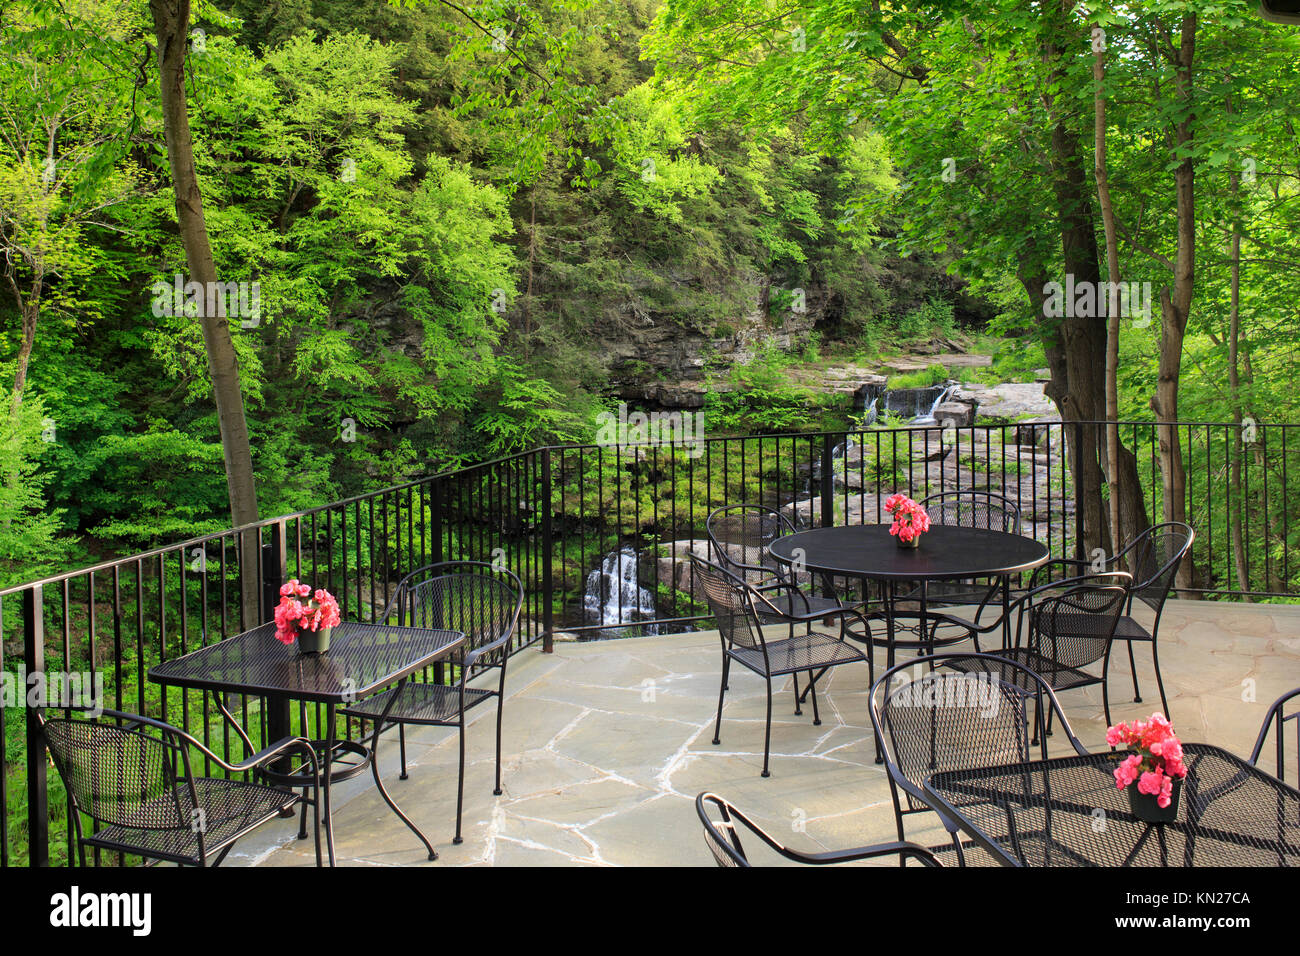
[[956, 412]]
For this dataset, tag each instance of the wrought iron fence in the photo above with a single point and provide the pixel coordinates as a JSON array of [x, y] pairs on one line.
[[600, 535]]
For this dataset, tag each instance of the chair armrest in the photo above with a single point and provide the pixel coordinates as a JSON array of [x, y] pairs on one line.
[[834, 856], [1059, 562], [281, 746], [897, 848], [473, 656], [301, 744], [782, 586], [810, 616]]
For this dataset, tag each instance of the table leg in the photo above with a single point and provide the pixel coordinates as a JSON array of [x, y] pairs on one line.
[[1006, 612], [277, 726], [887, 592], [924, 632], [379, 783], [328, 774], [887, 599]]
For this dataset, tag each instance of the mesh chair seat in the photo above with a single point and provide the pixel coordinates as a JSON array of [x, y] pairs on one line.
[[972, 854], [789, 605], [228, 810], [1130, 630], [799, 653], [1057, 676], [954, 592], [420, 703]]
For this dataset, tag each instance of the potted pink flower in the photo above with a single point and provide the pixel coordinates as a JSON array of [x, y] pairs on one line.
[[910, 520], [309, 621], [1153, 771]]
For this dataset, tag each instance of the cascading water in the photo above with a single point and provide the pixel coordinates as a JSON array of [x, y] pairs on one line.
[[614, 594], [914, 405], [942, 394]]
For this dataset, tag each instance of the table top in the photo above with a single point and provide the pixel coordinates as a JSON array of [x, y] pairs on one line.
[[1067, 811], [945, 551], [362, 659]]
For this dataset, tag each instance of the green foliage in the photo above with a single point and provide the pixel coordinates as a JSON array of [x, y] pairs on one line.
[[28, 547], [932, 374]]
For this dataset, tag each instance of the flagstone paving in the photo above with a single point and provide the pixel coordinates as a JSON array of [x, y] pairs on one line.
[[607, 743]]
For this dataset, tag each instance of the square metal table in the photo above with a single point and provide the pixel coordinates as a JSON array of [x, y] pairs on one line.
[[363, 660], [1067, 811]]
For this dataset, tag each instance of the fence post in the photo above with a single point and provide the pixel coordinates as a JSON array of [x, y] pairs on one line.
[[1079, 468], [38, 816], [273, 575], [548, 577], [435, 507], [828, 480]]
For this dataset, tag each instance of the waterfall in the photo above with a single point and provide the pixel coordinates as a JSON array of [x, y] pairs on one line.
[[943, 393], [869, 418], [614, 595], [914, 405]]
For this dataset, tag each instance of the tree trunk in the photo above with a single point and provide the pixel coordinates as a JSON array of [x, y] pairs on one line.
[[1236, 450], [171, 26], [1077, 383], [1175, 305], [30, 310], [1112, 303]]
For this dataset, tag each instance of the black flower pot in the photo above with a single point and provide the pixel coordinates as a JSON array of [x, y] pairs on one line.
[[1145, 808], [314, 642]]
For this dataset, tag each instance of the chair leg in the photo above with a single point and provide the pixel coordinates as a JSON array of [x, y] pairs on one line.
[[401, 739], [302, 827], [1105, 683], [1155, 660], [460, 780], [1137, 695], [717, 727], [496, 791], [798, 711], [767, 733], [817, 717]]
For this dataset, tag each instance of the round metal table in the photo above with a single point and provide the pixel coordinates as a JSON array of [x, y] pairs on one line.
[[946, 552]]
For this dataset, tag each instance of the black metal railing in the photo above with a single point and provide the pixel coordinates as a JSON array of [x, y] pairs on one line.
[[600, 535]]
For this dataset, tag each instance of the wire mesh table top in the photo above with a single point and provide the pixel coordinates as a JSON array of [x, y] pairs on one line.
[[945, 551], [362, 659], [1067, 811]]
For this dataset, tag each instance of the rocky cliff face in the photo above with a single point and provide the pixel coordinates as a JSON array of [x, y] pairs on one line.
[[662, 363]]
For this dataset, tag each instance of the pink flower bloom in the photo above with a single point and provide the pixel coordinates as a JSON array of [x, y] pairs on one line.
[[1151, 782], [1127, 771]]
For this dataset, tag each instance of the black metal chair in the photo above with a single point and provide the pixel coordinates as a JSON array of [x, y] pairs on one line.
[[735, 607], [723, 839], [973, 509], [956, 713], [1069, 629], [131, 775], [739, 537], [1153, 558], [964, 509], [481, 600], [1279, 718]]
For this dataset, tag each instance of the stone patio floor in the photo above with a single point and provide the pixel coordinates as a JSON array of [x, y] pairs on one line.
[[607, 743]]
